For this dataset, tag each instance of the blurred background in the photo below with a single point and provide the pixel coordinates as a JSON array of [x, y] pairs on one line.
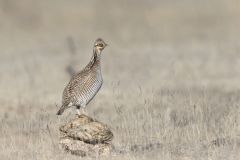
[[157, 49], [153, 44]]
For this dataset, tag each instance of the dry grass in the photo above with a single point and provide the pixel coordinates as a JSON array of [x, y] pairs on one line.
[[171, 76]]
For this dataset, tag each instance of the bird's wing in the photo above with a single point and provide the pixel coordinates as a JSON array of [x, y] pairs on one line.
[[75, 85]]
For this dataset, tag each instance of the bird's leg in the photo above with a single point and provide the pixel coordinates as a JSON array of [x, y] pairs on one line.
[[78, 110], [84, 109]]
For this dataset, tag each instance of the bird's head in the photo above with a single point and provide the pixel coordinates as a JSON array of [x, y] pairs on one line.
[[99, 45]]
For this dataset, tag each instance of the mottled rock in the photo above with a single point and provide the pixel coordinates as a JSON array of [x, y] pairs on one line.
[[85, 136]]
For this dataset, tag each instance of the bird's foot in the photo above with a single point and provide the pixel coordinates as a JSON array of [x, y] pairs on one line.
[[84, 111], [81, 111]]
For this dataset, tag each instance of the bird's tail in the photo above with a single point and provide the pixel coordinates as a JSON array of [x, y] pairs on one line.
[[61, 110]]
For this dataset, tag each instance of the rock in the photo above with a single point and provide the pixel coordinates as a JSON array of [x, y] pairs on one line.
[[84, 136]]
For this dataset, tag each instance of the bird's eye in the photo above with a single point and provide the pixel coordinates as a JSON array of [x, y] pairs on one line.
[[100, 45]]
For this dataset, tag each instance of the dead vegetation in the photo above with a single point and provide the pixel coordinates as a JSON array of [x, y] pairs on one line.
[[171, 76]]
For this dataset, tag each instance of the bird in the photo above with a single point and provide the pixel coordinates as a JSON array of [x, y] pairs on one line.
[[84, 85]]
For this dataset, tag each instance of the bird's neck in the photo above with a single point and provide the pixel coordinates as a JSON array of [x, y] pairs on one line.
[[95, 60]]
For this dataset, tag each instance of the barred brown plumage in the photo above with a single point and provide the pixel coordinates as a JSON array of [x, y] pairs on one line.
[[84, 85]]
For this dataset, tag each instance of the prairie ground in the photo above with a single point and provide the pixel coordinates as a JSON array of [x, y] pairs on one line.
[[171, 76]]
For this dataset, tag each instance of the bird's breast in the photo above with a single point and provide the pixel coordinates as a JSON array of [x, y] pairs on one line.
[[91, 88]]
